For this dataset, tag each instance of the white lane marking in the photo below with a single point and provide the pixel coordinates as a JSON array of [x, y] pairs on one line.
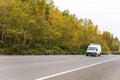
[[61, 73]]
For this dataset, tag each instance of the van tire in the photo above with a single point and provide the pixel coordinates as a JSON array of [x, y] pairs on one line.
[[99, 55], [86, 54]]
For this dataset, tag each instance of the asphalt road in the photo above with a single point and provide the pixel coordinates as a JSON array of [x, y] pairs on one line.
[[71, 67]]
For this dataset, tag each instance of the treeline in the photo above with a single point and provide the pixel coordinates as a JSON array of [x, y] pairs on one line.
[[37, 27]]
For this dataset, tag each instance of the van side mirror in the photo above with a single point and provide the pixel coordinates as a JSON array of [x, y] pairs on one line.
[[96, 49]]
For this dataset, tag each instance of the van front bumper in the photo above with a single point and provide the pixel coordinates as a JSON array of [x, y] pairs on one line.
[[90, 54]]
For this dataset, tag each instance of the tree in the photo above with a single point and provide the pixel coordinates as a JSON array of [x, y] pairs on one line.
[[38, 27]]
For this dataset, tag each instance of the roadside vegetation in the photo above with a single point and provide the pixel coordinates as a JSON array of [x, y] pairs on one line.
[[37, 27]]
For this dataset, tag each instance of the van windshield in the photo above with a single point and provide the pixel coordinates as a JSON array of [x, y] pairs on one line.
[[91, 48]]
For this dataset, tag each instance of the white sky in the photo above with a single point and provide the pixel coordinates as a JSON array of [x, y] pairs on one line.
[[104, 13]]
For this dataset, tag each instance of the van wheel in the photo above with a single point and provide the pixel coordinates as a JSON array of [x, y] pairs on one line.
[[99, 55], [86, 54]]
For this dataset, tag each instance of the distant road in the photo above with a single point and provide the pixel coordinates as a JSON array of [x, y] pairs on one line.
[[69, 67]]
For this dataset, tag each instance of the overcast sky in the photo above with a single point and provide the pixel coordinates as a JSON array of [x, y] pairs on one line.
[[104, 13]]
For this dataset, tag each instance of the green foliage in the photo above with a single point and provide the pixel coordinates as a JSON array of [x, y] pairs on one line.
[[36, 27], [31, 52], [54, 51], [4, 51]]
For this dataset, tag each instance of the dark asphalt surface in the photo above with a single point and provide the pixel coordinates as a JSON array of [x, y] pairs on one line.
[[34, 67]]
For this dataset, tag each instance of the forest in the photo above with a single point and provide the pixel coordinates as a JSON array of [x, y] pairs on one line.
[[37, 27]]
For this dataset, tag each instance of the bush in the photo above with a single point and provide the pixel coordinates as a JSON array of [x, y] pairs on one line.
[[4, 51], [54, 51], [31, 52], [115, 52], [77, 52]]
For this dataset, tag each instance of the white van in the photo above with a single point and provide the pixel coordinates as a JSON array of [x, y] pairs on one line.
[[94, 50]]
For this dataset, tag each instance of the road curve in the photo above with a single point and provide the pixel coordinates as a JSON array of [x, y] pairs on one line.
[[36, 67]]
